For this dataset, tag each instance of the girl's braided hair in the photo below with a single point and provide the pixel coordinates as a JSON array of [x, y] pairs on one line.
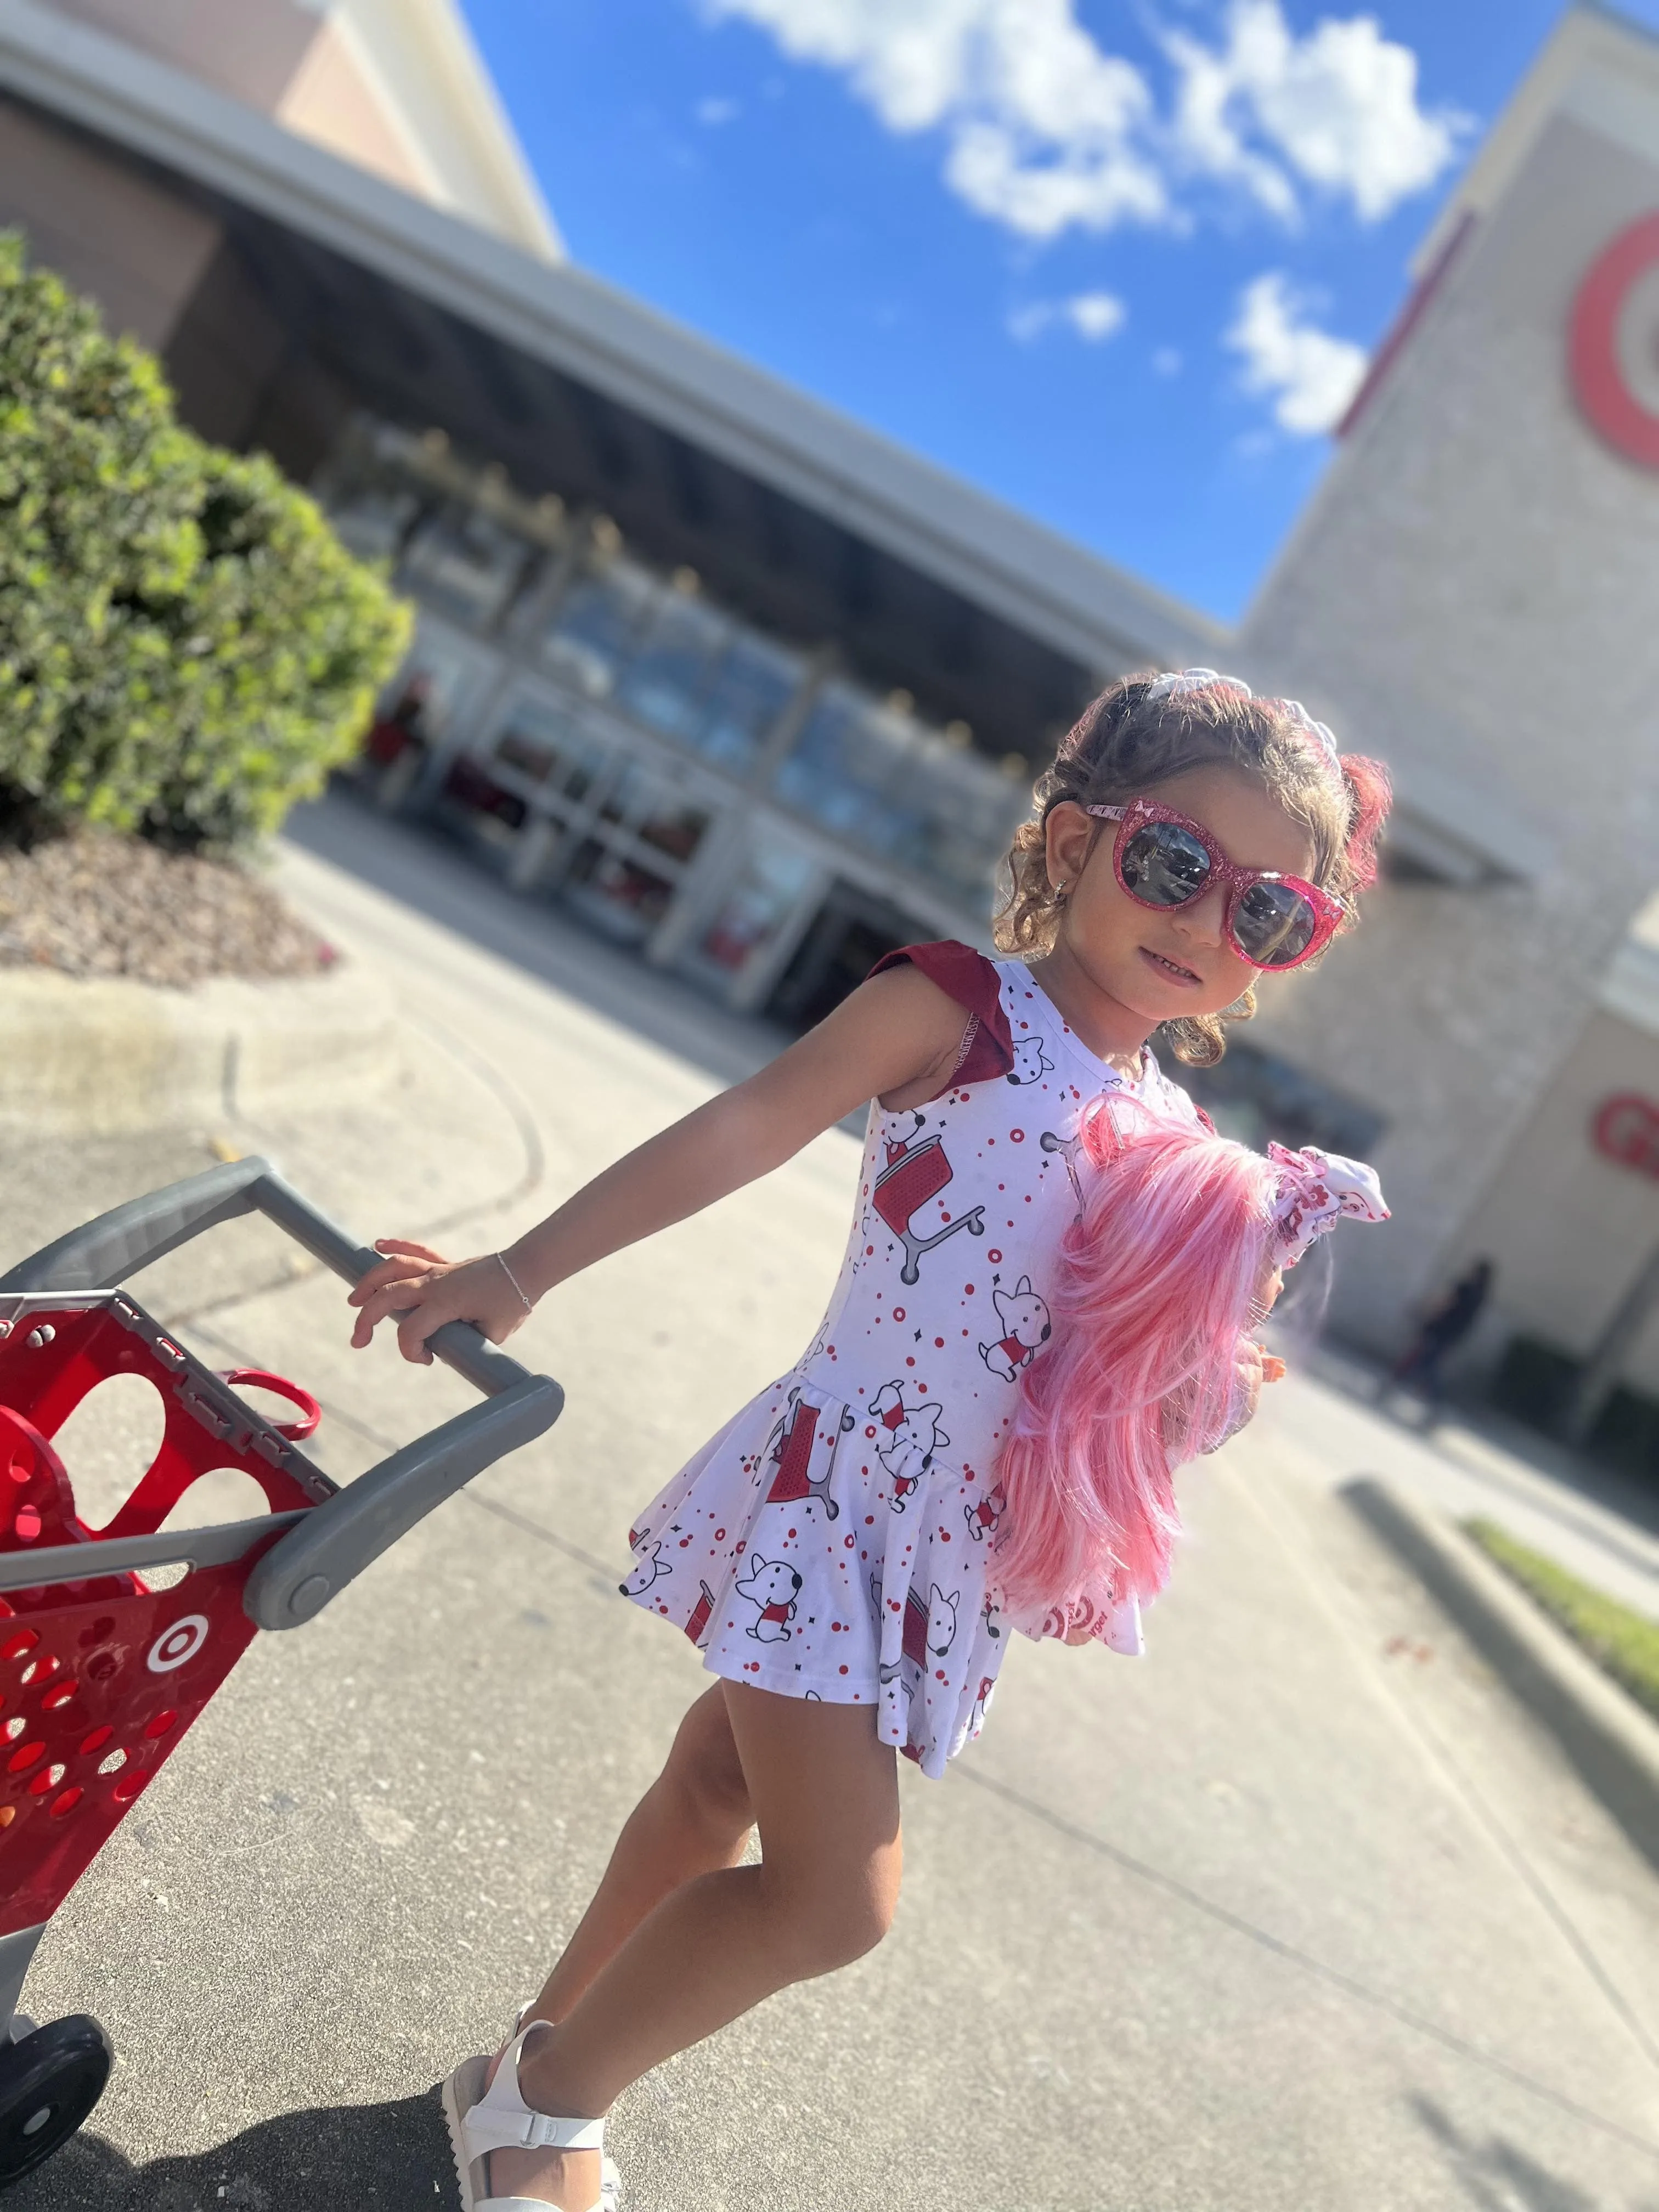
[[1124, 743]]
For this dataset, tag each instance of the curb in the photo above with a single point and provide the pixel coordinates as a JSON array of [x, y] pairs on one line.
[[1607, 1738], [105, 1056]]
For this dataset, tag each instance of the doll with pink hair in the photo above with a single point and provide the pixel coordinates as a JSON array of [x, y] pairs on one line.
[[1181, 1242], [1048, 1303]]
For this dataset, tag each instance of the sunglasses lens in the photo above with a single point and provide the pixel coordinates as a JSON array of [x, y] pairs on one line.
[[1163, 865], [1273, 925]]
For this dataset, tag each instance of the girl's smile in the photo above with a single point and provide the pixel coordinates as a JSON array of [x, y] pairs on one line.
[[1162, 965]]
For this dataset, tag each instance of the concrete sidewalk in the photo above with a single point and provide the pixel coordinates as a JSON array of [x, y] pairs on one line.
[[1298, 1911]]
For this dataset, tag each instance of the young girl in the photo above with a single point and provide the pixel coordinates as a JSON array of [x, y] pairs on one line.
[[1044, 1306]]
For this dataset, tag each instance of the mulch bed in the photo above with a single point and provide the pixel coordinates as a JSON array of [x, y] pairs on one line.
[[94, 905]]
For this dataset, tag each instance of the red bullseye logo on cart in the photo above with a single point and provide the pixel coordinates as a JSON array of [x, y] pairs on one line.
[[1613, 345], [174, 1645]]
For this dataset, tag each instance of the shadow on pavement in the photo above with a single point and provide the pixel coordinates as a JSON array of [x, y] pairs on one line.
[[393, 2156], [431, 872], [1495, 2175]]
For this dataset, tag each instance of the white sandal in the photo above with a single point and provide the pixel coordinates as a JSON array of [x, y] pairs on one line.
[[482, 2120]]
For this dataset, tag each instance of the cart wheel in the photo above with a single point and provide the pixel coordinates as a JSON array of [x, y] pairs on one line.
[[49, 2083]]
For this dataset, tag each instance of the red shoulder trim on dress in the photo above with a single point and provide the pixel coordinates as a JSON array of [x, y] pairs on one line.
[[967, 976]]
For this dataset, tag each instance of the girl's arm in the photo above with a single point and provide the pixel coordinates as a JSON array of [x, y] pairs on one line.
[[897, 1038]]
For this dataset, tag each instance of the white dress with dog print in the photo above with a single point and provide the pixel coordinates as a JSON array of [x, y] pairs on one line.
[[832, 1541]]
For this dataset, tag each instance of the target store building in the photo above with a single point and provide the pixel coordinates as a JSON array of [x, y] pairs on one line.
[[1471, 596], [747, 687]]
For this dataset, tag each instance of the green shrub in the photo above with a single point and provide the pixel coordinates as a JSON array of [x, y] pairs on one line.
[[185, 648]]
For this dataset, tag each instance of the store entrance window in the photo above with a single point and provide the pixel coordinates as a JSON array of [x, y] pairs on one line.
[[465, 565], [880, 776], [580, 814], [769, 894], [440, 683], [849, 934], [639, 843]]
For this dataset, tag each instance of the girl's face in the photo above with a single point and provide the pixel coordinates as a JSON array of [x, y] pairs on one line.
[[1166, 962]]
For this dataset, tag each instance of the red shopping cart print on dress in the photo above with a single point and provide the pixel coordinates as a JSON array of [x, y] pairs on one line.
[[697, 1627], [916, 1171], [796, 1444]]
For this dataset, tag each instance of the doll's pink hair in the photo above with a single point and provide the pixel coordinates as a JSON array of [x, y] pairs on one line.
[[1159, 1274]]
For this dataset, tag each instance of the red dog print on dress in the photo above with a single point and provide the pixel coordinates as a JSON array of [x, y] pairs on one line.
[[773, 1585], [930, 1630], [1031, 1061], [982, 1514], [1025, 1326], [908, 1434], [644, 1572], [917, 1171]]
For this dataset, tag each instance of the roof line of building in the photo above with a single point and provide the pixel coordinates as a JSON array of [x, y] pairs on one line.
[[441, 27], [996, 557]]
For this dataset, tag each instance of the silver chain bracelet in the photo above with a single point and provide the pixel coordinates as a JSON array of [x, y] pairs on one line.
[[516, 1284]]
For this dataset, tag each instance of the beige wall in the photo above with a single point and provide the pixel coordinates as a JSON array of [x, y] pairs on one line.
[[105, 227], [396, 86], [332, 102], [248, 48], [1472, 596], [1567, 1231]]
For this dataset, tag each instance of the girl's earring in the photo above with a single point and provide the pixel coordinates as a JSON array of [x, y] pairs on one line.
[[1061, 891]]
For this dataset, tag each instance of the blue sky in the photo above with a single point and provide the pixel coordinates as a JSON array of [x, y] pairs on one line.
[[1116, 261]]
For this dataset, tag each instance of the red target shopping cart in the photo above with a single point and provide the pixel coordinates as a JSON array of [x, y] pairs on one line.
[[106, 1656]]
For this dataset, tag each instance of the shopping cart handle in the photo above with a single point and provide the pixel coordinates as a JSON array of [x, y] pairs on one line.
[[335, 1541], [105, 1252]]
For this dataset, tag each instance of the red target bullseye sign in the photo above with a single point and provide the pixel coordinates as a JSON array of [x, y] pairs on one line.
[[1613, 349]]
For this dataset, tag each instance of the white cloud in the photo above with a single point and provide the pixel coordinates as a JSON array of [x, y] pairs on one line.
[[1339, 108], [714, 112], [1093, 315], [1045, 131], [1310, 375]]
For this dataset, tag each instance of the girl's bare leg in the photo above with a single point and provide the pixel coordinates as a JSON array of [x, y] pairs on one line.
[[695, 1817], [824, 1792]]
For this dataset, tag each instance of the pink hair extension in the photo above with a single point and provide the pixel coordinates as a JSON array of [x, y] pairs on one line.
[[1160, 1275], [1371, 795]]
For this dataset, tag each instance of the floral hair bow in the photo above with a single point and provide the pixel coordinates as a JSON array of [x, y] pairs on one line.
[[1315, 1191], [1174, 683]]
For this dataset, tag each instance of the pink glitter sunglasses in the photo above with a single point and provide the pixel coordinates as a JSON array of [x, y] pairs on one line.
[[1164, 859]]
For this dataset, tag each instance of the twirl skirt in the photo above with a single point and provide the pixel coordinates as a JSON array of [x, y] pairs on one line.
[[819, 1548]]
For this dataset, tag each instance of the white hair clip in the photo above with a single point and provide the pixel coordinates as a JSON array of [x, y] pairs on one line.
[[1299, 714], [1174, 683]]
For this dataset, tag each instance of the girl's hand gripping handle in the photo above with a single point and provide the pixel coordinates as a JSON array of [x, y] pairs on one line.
[[420, 1290]]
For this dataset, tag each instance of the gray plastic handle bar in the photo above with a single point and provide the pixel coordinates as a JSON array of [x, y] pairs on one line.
[[102, 1253], [319, 1552]]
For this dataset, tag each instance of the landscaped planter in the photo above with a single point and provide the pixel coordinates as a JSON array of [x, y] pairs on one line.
[[97, 1056]]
